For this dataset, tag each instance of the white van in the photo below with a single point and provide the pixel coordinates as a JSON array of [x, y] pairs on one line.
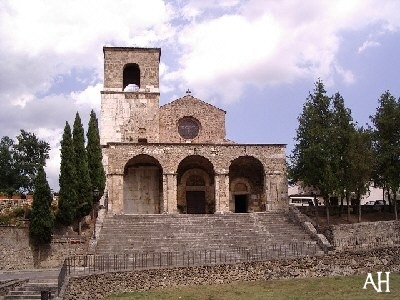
[[302, 201]]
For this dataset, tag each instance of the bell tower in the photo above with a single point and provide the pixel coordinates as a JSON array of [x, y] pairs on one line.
[[130, 97]]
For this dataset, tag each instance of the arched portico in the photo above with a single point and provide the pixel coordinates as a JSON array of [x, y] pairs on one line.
[[195, 186], [142, 185], [247, 192]]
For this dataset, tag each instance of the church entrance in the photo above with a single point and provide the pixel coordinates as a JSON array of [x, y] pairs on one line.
[[195, 186], [246, 185], [240, 203], [196, 202]]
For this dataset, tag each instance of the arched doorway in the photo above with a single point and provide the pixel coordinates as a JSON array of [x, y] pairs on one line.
[[142, 185], [195, 186], [246, 177]]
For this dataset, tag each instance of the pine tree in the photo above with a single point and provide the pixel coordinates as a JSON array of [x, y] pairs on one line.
[[83, 188], [310, 159], [93, 149], [386, 137], [361, 161], [41, 220], [343, 129], [68, 200]]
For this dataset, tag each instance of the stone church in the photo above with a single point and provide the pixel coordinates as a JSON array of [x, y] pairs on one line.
[[175, 158]]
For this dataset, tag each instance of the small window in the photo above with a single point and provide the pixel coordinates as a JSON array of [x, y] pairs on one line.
[[142, 141], [131, 77]]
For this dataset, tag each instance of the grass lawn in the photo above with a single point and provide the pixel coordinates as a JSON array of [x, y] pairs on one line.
[[311, 288]]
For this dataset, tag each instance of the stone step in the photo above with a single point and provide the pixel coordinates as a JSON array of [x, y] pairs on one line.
[[34, 288], [191, 232], [27, 295]]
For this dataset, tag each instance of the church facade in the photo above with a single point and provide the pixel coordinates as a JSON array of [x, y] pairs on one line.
[[176, 158]]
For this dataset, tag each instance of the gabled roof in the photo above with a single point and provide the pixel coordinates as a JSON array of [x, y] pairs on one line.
[[191, 98]]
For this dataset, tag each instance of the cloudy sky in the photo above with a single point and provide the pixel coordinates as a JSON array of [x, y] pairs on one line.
[[256, 59]]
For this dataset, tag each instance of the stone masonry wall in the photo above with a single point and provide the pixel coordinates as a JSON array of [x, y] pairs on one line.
[[272, 157], [128, 117], [365, 234], [345, 263], [115, 58], [211, 118], [16, 253]]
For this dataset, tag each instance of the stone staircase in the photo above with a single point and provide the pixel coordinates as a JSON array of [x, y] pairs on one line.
[[182, 232], [35, 289]]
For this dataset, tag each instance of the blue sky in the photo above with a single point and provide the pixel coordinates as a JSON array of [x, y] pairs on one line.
[[256, 59]]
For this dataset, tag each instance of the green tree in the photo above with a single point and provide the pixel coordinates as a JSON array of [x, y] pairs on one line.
[[342, 130], [68, 199], [30, 153], [361, 163], [83, 187], [41, 219], [8, 174], [93, 149], [318, 157], [386, 144]]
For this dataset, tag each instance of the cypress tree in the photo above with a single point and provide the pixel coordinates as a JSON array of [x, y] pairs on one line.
[[68, 200], [41, 220], [93, 149], [83, 188]]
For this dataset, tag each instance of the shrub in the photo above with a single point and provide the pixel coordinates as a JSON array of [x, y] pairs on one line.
[[18, 212], [5, 220]]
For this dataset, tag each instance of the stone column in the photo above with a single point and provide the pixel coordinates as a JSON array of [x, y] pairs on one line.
[[221, 193], [170, 193]]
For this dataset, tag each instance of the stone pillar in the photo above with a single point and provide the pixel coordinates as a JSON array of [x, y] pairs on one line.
[[170, 194], [221, 193], [274, 190], [115, 193]]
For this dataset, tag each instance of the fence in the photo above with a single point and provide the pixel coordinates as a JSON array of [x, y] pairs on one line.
[[89, 264]]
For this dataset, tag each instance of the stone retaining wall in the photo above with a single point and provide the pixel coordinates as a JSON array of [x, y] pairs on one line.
[[366, 235], [16, 253], [98, 286]]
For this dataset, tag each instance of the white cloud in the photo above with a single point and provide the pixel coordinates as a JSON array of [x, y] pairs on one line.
[[89, 97], [264, 43], [196, 8], [347, 75], [368, 44], [42, 39]]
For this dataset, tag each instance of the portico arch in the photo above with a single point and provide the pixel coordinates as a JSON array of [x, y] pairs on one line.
[[246, 177], [195, 185], [142, 185]]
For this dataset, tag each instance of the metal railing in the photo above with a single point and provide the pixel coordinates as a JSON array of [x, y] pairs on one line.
[[64, 272], [88, 264]]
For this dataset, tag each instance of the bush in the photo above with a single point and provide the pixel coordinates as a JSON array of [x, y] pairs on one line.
[[5, 220], [18, 212]]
